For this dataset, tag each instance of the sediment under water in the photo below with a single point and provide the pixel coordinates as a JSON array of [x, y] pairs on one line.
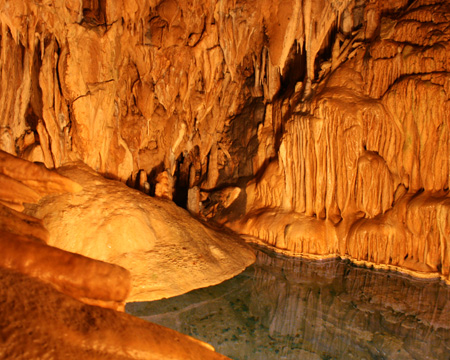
[[291, 308]]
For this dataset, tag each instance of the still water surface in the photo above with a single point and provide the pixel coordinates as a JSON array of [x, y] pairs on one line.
[[291, 308]]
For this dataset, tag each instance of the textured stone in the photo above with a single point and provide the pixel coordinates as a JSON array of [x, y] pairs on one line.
[[39, 322], [93, 282], [362, 167], [166, 250], [153, 80]]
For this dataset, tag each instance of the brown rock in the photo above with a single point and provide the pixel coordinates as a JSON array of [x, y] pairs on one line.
[[356, 157], [40, 322], [92, 281], [14, 222], [36, 177]]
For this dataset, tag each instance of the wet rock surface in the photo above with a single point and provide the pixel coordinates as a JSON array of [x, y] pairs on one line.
[[362, 167], [318, 127]]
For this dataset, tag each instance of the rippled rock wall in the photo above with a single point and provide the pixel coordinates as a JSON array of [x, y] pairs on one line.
[[362, 168], [146, 85]]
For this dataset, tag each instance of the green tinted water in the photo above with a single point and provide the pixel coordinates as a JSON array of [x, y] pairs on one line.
[[289, 308]]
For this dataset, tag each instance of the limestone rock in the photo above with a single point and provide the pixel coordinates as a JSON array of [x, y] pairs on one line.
[[167, 251], [15, 222], [125, 86], [362, 166], [335, 112], [23, 239], [25, 182], [39, 322], [36, 279], [94, 282]]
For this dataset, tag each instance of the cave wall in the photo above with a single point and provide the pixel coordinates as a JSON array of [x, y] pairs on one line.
[[146, 85], [362, 168], [321, 127]]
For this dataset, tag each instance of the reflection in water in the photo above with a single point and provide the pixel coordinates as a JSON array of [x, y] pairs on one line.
[[289, 308]]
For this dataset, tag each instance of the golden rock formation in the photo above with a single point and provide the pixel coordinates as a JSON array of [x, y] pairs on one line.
[[318, 127], [362, 168], [167, 252], [144, 85], [24, 241], [40, 320]]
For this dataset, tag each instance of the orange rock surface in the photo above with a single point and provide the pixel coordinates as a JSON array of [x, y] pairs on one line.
[[362, 168], [36, 279], [167, 252], [39, 322], [24, 239], [318, 127]]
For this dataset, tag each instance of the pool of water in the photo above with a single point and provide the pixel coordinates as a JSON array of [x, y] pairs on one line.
[[291, 308]]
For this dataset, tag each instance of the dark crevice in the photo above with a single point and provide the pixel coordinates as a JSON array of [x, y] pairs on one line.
[[81, 96], [181, 184], [94, 14], [325, 53], [58, 59], [295, 69]]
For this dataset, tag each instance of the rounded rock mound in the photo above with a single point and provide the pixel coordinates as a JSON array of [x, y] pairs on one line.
[[166, 250]]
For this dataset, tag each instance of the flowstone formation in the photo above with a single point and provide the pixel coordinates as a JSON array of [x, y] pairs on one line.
[[24, 239], [47, 294], [166, 251], [318, 127], [153, 88], [362, 168], [39, 322]]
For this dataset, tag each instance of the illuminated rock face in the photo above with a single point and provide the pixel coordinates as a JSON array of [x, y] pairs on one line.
[[148, 85], [42, 285], [320, 127], [362, 169], [39, 322], [24, 239], [167, 252]]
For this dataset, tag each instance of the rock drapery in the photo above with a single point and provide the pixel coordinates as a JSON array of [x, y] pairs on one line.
[[320, 127], [337, 111], [24, 239], [362, 168], [149, 85], [40, 320]]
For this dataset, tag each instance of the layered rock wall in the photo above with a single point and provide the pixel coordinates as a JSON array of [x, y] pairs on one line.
[[147, 85]]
